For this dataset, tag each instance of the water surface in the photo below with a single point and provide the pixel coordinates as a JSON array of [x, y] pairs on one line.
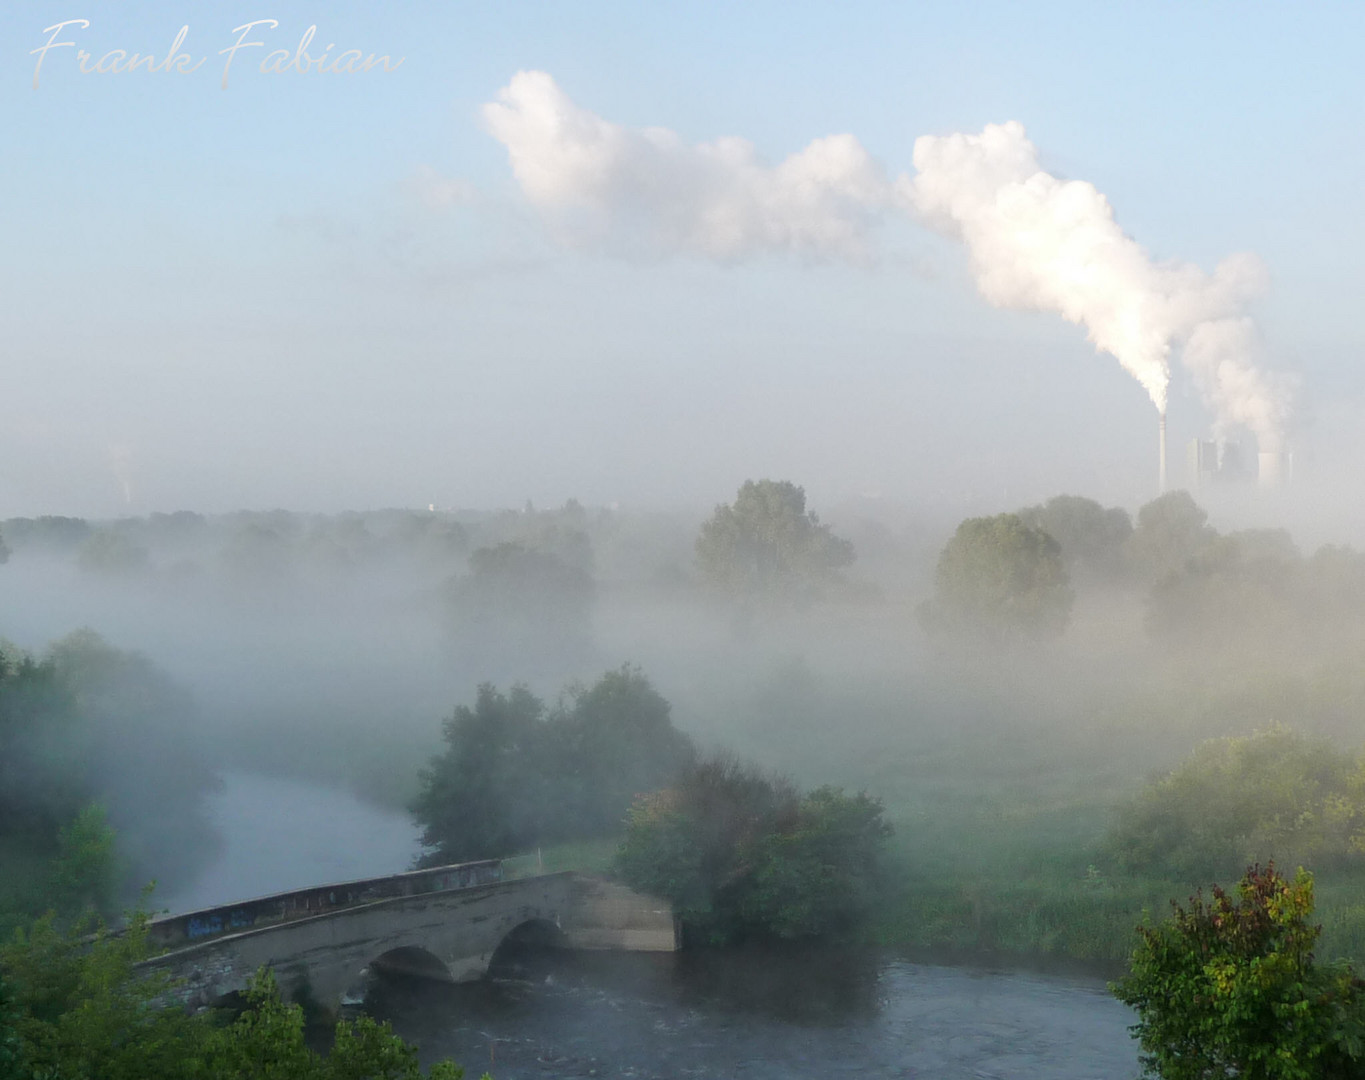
[[750, 1014]]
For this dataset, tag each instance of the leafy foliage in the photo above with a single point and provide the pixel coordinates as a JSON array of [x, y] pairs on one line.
[[999, 578], [740, 853], [1171, 529], [768, 546], [82, 731], [515, 774], [1091, 537], [1274, 794], [77, 1009], [1229, 988]]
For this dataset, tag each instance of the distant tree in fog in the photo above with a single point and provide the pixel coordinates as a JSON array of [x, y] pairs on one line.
[[1091, 537], [999, 579], [515, 774], [111, 552], [4, 551], [52, 533], [768, 546], [1170, 530], [518, 601]]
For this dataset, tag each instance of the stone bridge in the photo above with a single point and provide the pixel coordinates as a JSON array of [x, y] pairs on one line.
[[443, 923]]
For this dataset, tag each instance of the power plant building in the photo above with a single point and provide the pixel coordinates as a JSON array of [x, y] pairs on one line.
[[1222, 462]]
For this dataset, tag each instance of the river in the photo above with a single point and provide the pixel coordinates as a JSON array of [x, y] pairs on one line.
[[765, 1014], [751, 1013]]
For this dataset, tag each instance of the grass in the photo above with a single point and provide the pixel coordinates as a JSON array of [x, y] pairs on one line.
[[586, 856]]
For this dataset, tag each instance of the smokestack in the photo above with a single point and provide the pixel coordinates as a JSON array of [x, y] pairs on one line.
[[1161, 470]]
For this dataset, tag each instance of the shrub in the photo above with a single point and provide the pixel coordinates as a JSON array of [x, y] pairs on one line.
[[1229, 988], [1273, 794], [742, 854]]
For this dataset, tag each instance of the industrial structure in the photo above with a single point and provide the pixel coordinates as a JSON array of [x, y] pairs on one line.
[[1224, 462]]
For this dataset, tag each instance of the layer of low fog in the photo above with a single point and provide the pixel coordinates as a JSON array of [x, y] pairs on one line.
[[329, 649]]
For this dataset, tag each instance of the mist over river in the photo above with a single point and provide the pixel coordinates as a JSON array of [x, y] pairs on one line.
[[277, 834]]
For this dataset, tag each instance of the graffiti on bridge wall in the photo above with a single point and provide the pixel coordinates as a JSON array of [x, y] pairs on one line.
[[197, 926]]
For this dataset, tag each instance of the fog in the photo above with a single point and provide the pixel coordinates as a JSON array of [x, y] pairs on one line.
[[326, 650]]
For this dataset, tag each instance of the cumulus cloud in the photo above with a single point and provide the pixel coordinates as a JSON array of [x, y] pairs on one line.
[[647, 191]]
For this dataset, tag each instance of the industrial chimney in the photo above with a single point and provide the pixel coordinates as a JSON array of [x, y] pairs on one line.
[[1161, 468]]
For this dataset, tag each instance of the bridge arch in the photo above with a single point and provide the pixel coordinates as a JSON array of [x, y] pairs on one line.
[[526, 939], [412, 960]]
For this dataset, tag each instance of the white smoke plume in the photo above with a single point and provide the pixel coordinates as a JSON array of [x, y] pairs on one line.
[[647, 191], [1035, 241], [1038, 242], [1221, 355]]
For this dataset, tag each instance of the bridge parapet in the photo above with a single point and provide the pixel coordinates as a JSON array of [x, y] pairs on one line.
[[195, 926]]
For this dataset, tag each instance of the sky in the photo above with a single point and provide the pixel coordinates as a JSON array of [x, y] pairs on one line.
[[350, 290]]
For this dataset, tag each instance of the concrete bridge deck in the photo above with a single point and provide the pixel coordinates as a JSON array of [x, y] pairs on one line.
[[445, 923]]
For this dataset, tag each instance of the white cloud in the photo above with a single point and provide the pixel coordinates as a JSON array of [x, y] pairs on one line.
[[646, 191]]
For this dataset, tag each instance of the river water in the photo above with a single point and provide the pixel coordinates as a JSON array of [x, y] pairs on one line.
[[764, 1014], [756, 1013]]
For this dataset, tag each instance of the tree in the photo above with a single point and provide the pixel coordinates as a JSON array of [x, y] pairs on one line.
[[617, 740], [1091, 538], [515, 775], [518, 600], [86, 725], [1170, 530], [1229, 988], [740, 853], [999, 578], [768, 546], [476, 801]]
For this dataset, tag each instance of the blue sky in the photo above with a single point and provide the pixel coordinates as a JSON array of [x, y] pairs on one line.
[[222, 298]]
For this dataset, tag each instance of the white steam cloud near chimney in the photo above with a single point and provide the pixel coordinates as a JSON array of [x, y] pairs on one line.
[[647, 192], [1035, 242]]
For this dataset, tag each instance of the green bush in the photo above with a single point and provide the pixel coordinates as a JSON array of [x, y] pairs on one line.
[[1275, 794], [739, 853], [1229, 988]]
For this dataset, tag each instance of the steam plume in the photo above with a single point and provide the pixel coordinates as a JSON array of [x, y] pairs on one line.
[[599, 183], [1037, 242], [1221, 355]]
